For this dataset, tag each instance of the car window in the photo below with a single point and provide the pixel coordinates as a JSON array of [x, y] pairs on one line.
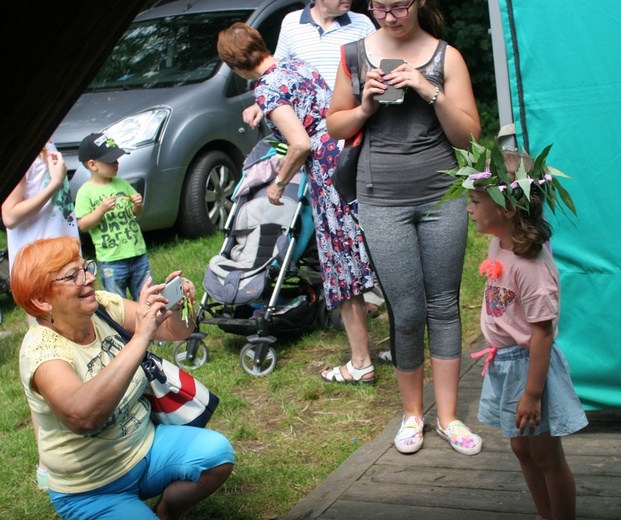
[[166, 52]]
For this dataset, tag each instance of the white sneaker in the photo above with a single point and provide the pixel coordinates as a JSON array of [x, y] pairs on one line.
[[461, 438], [409, 438]]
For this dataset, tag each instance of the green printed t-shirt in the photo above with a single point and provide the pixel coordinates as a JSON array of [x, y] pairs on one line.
[[118, 235]]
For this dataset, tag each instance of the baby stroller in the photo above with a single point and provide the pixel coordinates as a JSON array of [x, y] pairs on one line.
[[266, 279], [5, 285]]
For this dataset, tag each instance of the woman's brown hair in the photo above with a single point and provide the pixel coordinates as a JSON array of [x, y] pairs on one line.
[[35, 266], [431, 19], [241, 47]]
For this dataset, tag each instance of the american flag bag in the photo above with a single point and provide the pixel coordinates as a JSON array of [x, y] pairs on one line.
[[176, 397]]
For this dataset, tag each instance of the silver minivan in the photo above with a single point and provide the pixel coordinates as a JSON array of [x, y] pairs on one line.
[[164, 96]]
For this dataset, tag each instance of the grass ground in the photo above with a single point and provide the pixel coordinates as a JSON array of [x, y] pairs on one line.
[[289, 429]]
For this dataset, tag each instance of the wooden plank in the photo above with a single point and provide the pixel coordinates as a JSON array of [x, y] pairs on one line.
[[348, 510], [444, 457], [463, 499], [490, 479]]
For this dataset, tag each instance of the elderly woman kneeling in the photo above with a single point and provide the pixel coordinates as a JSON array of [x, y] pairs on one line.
[[84, 385]]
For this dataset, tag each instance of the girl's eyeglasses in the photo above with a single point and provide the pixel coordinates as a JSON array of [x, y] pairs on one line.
[[79, 276], [398, 12]]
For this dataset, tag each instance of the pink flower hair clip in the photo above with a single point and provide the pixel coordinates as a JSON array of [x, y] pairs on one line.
[[491, 268]]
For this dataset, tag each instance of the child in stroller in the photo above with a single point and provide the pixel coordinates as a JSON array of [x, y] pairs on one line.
[[266, 278]]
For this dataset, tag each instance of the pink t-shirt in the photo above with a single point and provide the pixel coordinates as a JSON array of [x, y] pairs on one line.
[[526, 291]]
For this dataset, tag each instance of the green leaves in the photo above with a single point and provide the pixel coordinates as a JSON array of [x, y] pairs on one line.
[[187, 312], [481, 168]]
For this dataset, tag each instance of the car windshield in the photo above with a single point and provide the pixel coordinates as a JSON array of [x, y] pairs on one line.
[[166, 52]]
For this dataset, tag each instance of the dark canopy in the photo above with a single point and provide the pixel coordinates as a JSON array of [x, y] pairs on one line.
[[50, 53]]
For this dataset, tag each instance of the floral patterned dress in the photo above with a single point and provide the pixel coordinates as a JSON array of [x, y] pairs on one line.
[[345, 264]]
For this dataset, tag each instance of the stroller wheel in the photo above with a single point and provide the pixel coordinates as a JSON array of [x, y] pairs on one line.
[[329, 319], [257, 359], [190, 354]]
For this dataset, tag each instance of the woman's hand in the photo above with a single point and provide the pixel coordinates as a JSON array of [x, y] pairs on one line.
[[406, 76], [189, 290], [151, 310], [274, 193], [373, 86]]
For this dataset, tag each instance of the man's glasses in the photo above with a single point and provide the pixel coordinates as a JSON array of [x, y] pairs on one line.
[[398, 12], [79, 276]]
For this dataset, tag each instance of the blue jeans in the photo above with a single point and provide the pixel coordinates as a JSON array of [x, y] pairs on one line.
[[120, 275], [178, 453]]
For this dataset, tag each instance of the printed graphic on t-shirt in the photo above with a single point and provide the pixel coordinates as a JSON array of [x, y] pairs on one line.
[[119, 226], [497, 299], [123, 417], [62, 200]]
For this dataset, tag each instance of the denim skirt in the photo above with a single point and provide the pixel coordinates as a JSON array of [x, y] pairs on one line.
[[504, 383]]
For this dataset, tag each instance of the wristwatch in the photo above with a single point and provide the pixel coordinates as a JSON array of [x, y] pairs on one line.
[[279, 182]]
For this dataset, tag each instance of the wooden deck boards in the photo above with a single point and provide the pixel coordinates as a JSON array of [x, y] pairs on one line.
[[377, 482]]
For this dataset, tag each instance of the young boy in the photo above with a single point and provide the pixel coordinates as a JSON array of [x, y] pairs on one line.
[[106, 207]]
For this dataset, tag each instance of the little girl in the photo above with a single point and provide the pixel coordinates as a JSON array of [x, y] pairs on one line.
[[527, 391]]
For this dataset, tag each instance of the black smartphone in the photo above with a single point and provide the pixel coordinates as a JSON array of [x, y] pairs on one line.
[[391, 95]]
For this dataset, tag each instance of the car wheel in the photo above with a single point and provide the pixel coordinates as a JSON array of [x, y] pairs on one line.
[[206, 201]]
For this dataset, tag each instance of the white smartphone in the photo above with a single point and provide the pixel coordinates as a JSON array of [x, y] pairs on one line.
[[173, 291], [391, 95]]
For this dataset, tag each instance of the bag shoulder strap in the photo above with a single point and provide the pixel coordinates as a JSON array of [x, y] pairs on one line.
[[104, 315], [352, 64], [149, 364]]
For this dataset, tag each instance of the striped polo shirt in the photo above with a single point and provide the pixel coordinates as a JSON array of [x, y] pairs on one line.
[[300, 37]]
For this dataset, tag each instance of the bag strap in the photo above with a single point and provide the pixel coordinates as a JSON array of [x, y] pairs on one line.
[[102, 312], [352, 52], [149, 363], [352, 63]]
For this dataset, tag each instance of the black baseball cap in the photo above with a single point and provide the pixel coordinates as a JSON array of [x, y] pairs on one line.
[[99, 147]]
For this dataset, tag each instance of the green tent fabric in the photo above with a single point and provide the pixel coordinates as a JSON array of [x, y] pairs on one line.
[[565, 83]]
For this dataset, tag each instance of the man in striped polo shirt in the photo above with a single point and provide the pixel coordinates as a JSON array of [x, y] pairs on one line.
[[316, 33]]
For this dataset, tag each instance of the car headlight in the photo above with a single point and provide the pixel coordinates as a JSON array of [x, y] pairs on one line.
[[140, 129]]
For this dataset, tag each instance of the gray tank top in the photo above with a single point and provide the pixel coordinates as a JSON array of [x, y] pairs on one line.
[[407, 146]]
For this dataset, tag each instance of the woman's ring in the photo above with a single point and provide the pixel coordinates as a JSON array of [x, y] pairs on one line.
[[148, 303]]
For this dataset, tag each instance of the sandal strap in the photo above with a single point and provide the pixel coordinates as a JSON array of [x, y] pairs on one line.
[[358, 374], [335, 375]]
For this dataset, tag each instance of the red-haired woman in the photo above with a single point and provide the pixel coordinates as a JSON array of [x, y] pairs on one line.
[[84, 385]]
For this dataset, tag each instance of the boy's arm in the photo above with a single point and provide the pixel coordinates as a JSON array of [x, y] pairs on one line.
[[137, 206], [90, 220], [529, 407]]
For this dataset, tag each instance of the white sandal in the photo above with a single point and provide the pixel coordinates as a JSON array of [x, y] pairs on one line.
[[336, 375]]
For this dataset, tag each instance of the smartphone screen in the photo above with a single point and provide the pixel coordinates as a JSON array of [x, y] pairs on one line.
[[391, 95]]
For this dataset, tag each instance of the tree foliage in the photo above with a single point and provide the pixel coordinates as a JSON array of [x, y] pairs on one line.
[[468, 30]]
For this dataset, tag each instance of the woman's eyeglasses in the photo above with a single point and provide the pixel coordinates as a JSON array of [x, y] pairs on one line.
[[79, 276], [398, 12]]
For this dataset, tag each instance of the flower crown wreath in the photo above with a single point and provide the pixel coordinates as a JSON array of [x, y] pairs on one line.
[[484, 169]]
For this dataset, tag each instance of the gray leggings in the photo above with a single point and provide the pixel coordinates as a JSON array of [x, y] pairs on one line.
[[419, 262]]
